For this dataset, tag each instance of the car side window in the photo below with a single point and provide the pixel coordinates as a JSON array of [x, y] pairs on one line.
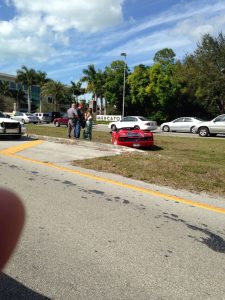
[[179, 120], [124, 119], [133, 119], [220, 119], [188, 120]]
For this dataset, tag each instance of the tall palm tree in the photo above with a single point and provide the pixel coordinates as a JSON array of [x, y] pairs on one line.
[[41, 79], [27, 77], [4, 92], [99, 87], [90, 75], [55, 89], [19, 97], [76, 89]]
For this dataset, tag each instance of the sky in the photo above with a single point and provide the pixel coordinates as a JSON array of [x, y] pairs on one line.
[[63, 37]]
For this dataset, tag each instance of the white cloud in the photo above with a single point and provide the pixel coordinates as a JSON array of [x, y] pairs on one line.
[[88, 15]]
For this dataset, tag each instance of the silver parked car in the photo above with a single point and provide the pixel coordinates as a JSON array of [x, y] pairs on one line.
[[214, 127], [43, 117], [136, 122], [25, 117], [9, 127], [184, 124]]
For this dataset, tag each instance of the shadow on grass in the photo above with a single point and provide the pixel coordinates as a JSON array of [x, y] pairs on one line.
[[10, 289], [153, 148]]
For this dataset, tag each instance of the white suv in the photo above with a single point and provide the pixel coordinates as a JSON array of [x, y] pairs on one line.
[[43, 117]]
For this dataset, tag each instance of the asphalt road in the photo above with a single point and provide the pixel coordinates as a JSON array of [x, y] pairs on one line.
[[91, 235]]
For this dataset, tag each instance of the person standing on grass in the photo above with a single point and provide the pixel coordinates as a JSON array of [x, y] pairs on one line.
[[79, 122], [87, 134], [72, 118]]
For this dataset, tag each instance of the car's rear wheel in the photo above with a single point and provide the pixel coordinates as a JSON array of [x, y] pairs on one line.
[[203, 131], [57, 124], [136, 127], [166, 128], [113, 127], [23, 121], [192, 130]]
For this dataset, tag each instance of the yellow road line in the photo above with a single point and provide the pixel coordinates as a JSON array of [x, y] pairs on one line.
[[11, 152], [21, 147]]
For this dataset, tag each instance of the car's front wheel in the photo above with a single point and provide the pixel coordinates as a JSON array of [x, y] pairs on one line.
[[203, 131], [57, 124], [166, 128], [113, 127]]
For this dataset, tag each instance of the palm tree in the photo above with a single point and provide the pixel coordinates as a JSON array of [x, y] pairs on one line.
[[4, 92], [55, 89], [95, 83], [27, 77], [99, 87], [90, 77], [76, 89], [41, 79], [19, 96]]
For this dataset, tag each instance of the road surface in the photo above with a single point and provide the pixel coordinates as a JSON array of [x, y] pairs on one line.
[[91, 235]]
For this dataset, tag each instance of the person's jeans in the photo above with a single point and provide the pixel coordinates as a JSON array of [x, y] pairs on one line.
[[77, 129]]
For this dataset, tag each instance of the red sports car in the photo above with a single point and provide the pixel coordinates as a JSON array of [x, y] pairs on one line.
[[135, 138]]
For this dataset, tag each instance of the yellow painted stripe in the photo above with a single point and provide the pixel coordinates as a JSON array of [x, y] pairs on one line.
[[20, 147], [130, 186]]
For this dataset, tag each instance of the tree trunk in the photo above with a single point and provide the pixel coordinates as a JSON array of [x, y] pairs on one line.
[[29, 98]]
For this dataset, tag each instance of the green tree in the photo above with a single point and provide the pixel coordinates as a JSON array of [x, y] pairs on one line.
[[210, 62], [138, 80], [163, 91], [4, 93], [27, 77], [56, 90], [114, 77], [41, 79], [165, 56], [76, 89]]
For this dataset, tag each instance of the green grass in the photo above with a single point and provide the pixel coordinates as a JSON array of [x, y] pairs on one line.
[[187, 163]]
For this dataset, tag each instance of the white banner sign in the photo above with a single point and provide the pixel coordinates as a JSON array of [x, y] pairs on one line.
[[109, 118]]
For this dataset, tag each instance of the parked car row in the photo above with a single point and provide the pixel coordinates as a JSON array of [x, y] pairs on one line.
[[195, 125]]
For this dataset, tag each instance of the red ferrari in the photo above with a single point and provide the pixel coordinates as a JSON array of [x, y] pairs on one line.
[[135, 138]]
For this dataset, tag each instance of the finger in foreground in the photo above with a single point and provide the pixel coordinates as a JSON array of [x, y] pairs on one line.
[[12, 216]]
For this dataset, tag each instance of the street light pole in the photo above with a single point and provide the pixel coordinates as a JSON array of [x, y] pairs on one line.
[[124, 81]]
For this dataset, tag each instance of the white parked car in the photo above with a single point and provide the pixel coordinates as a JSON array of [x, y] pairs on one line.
[[43, 117], [214, 127], [184, 124], [25, 117], [9, 127], [136, 122]]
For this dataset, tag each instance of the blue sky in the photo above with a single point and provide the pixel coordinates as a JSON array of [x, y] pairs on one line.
[[63, 37]]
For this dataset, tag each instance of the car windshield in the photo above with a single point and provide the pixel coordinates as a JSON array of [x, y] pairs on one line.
[[29, 114], [142, 118], [2, 115]]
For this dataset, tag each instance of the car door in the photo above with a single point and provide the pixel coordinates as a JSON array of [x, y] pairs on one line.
[[177, 125], [218, 125], [187, 124], [123, 123]]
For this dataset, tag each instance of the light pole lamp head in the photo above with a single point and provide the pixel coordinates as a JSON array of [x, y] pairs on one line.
[[123, 54]]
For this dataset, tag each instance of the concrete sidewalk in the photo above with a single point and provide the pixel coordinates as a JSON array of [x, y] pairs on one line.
[[80, 149]]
